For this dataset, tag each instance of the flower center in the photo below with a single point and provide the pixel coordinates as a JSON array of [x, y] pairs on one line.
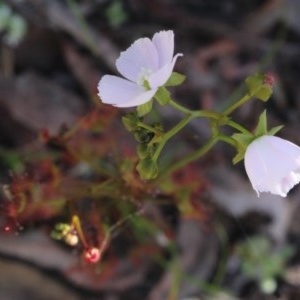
[[143, 77]]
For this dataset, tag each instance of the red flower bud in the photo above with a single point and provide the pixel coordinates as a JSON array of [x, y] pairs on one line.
[[92, 255], [269, 79]]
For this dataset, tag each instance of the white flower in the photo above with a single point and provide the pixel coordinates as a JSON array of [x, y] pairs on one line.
[[144, 61], [273, 165]]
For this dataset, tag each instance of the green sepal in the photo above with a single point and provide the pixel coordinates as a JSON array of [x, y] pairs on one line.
[[275, 129], [254, 82], [142, 151], [258, 88], [145, 108], [147, 168], [131, 121], [145, 150], [175, 79], [264, 93], [243, 140], [163, 96], [239, 156], [261, 128], [158, 134]]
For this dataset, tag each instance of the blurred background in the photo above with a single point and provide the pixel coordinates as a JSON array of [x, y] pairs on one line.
[[64, 157]]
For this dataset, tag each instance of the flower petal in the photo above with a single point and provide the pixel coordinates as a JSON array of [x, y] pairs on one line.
[[141, 55], [164, 43], [160, 77], [284, 146], [254, 165], [273, 165], [116, 91], [139, 99]]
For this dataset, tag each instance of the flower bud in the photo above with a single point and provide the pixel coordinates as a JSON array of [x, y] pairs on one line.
[[71, 239], [143, 135], [91, 255], [142, 151], [146, 150], [260, 86], [130, 121], [147, 168]]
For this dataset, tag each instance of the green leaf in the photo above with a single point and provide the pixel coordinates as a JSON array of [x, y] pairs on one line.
[[144, 108], [163, 96], [243, 138], [175, 79]]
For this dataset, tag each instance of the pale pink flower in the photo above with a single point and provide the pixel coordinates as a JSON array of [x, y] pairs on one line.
[[273, 165], [146, 65]]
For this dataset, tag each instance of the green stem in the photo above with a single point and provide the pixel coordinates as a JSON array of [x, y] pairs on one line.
[[238, 127], [170, 134], [196, 113], [199, 153], [151, 129], [77, 225], [227, 139], [220, 119], [195, 155], [180, 107], [243, 100]]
